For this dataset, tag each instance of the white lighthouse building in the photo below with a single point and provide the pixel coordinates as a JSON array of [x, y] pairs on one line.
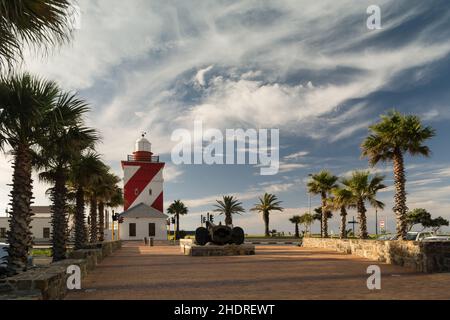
[[143, 194]]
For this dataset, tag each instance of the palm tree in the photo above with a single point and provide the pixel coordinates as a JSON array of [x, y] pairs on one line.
[[92, 220], [267, 203], [56, 157], [26, 105], [322, 183], [390, 139], [93, 193], [116, 198], [318, 216], [38, 23], [296, 220], [60, 146], [85, 171], [307, 219], [177, 208], [342, 200], [228, 206], [364, 188], [105, 191]]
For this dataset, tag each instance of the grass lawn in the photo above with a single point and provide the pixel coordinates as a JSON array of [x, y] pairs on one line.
[[261, 236], [41, 252]]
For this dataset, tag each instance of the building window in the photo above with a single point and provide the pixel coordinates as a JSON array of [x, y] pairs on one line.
[[151, 230], [46, 233], [3, 233], [132, 230]]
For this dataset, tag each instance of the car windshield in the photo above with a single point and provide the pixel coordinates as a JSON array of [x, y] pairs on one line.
[[411, 236]]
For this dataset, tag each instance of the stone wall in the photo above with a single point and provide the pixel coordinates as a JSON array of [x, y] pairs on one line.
[[50, 282], [189, 248], [426, 257]]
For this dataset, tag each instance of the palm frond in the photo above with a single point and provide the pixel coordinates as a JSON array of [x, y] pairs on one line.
[[38, 24]]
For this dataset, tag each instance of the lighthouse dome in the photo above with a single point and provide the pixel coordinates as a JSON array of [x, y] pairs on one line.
[[142, 144]]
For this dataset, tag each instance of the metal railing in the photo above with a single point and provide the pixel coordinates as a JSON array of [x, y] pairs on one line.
[[131, 158]]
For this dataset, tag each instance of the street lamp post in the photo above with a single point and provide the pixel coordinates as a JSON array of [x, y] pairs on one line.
[[309, 194], [376, 221], [310, 201], [353, 222]]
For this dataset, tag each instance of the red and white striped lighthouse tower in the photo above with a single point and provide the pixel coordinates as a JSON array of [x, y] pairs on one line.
[[143, 177]]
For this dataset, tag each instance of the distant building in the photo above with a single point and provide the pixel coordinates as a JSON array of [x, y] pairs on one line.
[[143, 195], [41, 226]]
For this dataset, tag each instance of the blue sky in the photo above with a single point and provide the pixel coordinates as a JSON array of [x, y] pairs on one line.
[[312, 69]]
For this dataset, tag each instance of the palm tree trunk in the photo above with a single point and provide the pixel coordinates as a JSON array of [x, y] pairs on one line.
[[266, 223], [228, 219], [400, 208], [101, 221], [343, 223], [177, 234], [297, 232], [93, 218], [19, 236], [59, 216], [324, 216], [362, 220], [80, 223]]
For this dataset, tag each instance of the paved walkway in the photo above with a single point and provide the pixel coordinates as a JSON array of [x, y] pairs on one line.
[[275, 272]]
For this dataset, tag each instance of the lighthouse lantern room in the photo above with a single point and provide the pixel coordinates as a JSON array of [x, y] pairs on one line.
[[143, 194]]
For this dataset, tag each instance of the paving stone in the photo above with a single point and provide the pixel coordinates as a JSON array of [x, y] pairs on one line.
[[274, 272]]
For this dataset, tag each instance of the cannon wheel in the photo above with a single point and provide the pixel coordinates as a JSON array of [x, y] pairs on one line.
[[237, 235], [201, 236]]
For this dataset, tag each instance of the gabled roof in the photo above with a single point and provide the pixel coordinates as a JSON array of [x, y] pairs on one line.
[[143, 211], [40, 209]]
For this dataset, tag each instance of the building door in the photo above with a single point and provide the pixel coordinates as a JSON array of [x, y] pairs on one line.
[[151, 229], [3, 233], [132, 231]]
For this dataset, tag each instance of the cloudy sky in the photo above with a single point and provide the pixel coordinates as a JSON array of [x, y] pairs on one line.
[[312, 69]]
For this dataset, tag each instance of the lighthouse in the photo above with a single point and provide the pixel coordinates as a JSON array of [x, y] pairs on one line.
[[143, 194]]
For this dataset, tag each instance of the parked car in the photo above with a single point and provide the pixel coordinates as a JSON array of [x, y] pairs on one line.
[[418, 236], [411, 236], [4, 255], [437, 238], [388, 236]]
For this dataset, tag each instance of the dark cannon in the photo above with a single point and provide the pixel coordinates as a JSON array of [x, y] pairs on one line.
[[219, 235]]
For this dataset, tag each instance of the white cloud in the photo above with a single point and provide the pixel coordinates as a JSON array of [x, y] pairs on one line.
[[141, 49], [296, 155], [349, 131], [252, 74], [135, 62], [200, 76], [172, 173], [110, 35], [443, 172], [288, 167]]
